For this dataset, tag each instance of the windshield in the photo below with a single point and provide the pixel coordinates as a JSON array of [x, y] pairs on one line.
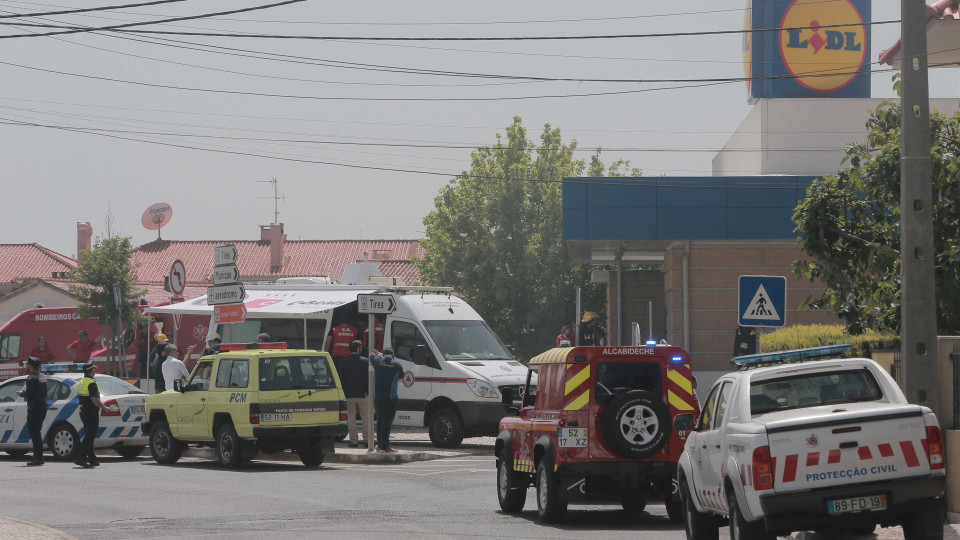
[[295, 373], [466, 340], [813, 389]]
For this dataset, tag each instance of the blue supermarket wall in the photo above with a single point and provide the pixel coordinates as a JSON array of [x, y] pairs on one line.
[[681, 208]]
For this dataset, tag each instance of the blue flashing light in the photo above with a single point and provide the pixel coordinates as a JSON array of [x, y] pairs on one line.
[[676, 358], [651, 342], [795, 354], [61, 368]]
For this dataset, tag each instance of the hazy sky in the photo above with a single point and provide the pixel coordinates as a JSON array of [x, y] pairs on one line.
[[53, 178]]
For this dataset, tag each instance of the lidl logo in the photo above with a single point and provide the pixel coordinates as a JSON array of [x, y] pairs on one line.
[[823, 59]]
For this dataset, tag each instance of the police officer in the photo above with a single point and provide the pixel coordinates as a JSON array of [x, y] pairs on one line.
[[35, 394], [90, 405]]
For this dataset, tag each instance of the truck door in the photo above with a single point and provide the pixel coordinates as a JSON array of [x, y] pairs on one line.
[[419, 369], [192, 408], [713, 449], [705, 490]]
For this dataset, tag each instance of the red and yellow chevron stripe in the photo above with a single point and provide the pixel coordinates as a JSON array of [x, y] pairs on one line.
[[680, 394], [576, 391]]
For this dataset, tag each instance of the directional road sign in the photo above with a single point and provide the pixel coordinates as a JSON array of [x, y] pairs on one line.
[[117, 297], [227, 274], [225, 294], [230, 313], [375, 303], [226, 254], [763, 301], [178, 277]]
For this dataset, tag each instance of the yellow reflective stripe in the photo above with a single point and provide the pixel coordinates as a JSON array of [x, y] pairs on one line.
[[578, 403], [678, 403], [680, 380], [575, 381]]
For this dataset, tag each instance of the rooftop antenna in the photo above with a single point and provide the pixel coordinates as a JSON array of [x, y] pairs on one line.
[[276, 198]]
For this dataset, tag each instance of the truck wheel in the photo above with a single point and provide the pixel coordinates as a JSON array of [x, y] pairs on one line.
[[446, 429], [634, 500], [312, 456], [698, 525], [63, 442], [163, 446], [511, 489], [636, 425], [129, 452], [740, 528], [228, 447], [549, 506], [927, 525]]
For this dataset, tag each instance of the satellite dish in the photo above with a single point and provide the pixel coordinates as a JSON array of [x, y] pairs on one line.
[[157, 216]]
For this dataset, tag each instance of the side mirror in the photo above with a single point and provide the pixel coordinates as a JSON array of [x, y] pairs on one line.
[[423, 356], [178, 386], [506, 397], [683, 422], [694, 381]]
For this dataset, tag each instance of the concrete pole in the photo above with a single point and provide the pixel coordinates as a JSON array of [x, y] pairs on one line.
[[918, 305], [368, 425]]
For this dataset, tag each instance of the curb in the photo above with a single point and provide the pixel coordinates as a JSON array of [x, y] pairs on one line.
[[356, 457], [17, 528]]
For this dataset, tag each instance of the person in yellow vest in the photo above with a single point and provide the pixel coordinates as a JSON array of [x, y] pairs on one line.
[[88, 394]]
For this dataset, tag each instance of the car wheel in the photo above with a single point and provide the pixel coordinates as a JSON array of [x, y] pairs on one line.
[[672, 502], [17, 453], [740, 528], [511, 489], [63, 442], [312, 456], [446, 429], [634, 500], [228, 447], [130, 452], [927, 525], [698, 525], [636, 425], [164, 447], [550, 507]]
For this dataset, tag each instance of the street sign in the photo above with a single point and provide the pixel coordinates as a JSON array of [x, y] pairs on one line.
[[225, 294], [375, 303], [225, 255], [178, 277], [762, 301], [229, 313], [117, 297], [226, 274]]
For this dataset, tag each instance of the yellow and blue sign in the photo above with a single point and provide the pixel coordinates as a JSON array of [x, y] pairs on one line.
[[807, 48]]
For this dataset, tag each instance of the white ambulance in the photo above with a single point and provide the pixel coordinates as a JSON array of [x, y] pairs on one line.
[[830, 445], [455, 367]]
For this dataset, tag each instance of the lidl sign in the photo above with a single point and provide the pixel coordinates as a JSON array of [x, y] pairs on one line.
[[811, 48]]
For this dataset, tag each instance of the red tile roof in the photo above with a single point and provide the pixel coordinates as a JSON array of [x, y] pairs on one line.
[[22, 261], [941, 9], [300, 258]]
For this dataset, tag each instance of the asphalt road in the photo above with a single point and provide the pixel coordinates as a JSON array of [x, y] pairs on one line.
[[446, 498]]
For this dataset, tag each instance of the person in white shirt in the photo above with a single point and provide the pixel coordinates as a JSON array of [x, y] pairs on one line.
[[174, 369]]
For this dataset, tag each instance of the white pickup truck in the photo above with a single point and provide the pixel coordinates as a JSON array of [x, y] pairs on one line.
[[826, 445]]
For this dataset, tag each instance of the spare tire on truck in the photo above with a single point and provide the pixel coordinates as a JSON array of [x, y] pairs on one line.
[[636, 424]]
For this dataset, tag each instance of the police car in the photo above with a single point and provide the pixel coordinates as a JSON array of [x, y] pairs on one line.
[[827, 445], [62, 428]]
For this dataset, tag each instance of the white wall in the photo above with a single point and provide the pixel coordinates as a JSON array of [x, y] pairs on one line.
[[48, 296]]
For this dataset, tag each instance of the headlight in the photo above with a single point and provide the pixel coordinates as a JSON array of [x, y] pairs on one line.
[[482, 389]]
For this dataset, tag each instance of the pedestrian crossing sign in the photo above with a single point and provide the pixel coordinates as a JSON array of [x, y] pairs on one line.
[[762, 301]]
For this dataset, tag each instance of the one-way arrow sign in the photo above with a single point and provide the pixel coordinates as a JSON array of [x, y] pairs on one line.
[[375, 303], [226, 274], [226, 254]]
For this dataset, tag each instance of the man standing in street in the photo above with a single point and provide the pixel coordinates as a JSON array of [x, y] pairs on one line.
[[590, 333], [173, 368], [386, 371], [81, 348], [88, 393], [156, 363], [35, 394], [355, 381]]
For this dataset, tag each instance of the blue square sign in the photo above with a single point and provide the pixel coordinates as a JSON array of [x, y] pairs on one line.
[[762, 301]]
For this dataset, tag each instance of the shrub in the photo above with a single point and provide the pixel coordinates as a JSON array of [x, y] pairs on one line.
[[816, 335]]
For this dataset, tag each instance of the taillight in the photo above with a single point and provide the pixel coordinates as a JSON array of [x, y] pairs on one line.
[[762, 469], [343, 411], [112, 408], [934, 447], [254, 413]]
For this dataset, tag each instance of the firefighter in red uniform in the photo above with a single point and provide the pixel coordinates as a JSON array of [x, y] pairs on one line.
[[338, 342], [365, 334]]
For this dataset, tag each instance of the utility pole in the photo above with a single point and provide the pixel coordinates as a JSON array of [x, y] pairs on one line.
[[918, 302], [276, 198]]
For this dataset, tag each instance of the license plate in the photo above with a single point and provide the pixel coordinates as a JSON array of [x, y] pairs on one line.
[[275, 417], [857, 504], [137, 409], [572, 437]]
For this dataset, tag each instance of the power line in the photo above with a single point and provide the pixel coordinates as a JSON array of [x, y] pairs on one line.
[[87, 10]]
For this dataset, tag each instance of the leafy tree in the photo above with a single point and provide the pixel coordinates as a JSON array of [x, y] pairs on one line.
[[496, 238], [106, 263], [849, 224]]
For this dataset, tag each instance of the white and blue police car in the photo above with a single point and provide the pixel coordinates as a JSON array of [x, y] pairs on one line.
[[62, 428]]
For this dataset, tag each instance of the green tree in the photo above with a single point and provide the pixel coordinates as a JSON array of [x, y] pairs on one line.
[[106, 263], [849, 225], [496, 238]]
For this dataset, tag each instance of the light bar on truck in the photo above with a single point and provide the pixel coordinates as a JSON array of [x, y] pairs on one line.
[[795, 354], [61, 368], [226, 347]]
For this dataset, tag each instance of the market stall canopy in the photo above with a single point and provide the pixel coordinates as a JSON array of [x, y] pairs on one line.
[[276, 301]]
